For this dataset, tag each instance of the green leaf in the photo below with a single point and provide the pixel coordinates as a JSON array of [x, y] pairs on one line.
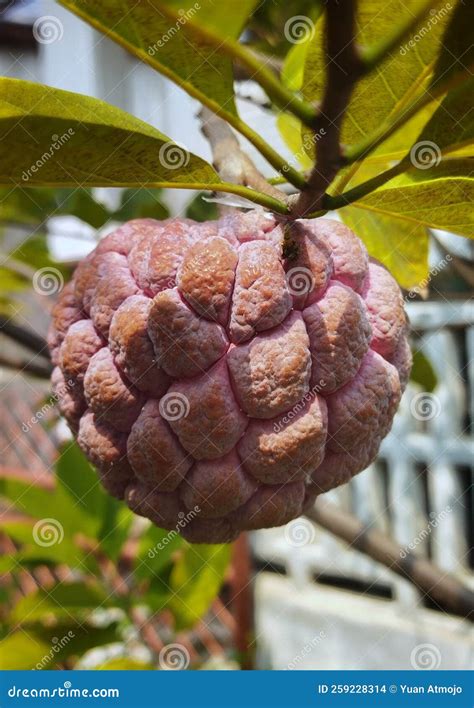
[[34, 252], [400, 245], [124, 664], [34, 205], [440, 197], [451, 127], [292, 75], [402, 75], [116, 522], [423, 373], [69, 601], [200, 210], [80, 203], [155, 552], [196, 579], [78, 479], [290, 129], [179, 38], [43, 504], [56, 521], [43, 648], [25, 206], [457, 48], [94, 143], [141, 204]]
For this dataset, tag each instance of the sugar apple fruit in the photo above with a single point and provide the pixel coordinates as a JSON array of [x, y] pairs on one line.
[[220, 375]]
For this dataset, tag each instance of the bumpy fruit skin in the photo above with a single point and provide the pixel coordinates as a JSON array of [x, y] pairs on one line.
[[218, 386]]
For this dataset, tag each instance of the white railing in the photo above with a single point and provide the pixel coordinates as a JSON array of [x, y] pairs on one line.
[[418, 489]]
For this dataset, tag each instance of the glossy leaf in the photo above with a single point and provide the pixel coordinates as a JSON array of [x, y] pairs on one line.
[[177, 38], [61, 138], [401, 246], [195, 580]]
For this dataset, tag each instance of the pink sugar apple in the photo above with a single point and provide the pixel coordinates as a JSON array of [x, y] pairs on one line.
[[219, 384]]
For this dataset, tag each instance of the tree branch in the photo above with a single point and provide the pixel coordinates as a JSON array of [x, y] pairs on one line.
[[26, 337], [42, 370], [230, 161], [364, 188], [344, 67], [438, 586]]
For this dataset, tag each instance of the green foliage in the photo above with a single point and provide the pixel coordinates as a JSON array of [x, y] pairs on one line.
[[141, 204], [195, 581], [77, 525], [176, 38], [267, 25], [124, 664], [417, 93], [401, 246], [451, 127], [100, 145], [46, 647], [456, 53], [64, 602], [385, 92], [438, 197], [423, 373], [200, 210]]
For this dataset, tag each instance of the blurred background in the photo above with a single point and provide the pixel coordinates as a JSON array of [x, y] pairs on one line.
[[296, 597]]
